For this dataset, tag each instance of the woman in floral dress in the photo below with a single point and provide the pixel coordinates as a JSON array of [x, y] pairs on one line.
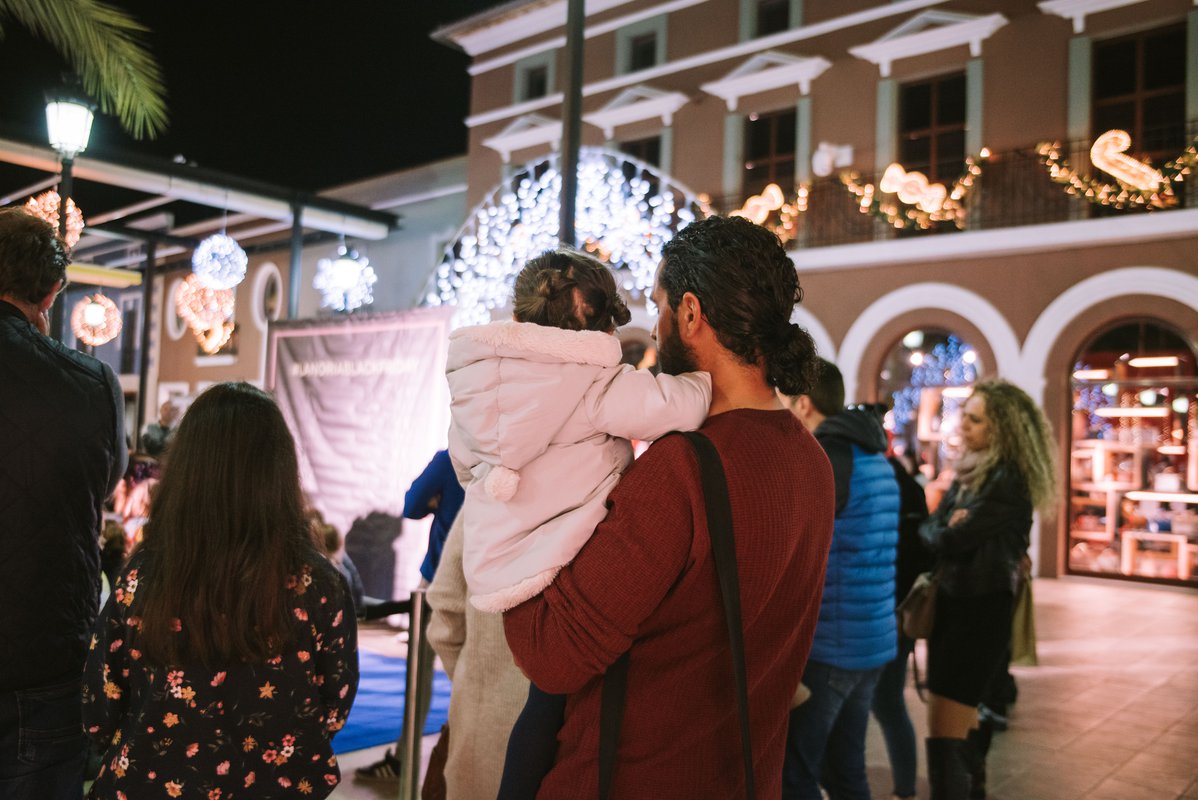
[[226, 658]]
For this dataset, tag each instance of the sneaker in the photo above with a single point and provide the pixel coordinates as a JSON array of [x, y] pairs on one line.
[[385, 770]]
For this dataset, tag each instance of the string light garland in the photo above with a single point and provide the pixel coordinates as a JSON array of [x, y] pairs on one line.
[[219, 262], [207, 312], [917, 203], [1134, 188], [95, 320], [626, 212], [345, 282], [46, 206], [760, 209]]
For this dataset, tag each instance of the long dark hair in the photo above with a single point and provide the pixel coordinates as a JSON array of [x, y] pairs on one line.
[[226, 531], [747, 288]]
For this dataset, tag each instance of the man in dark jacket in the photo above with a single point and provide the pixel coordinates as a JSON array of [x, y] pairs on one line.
[[855, 636], [62, 441]]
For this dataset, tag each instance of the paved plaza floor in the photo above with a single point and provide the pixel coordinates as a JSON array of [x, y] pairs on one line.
[[1111, 712]]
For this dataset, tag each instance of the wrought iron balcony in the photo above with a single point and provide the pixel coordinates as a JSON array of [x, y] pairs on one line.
[[1045, 183]]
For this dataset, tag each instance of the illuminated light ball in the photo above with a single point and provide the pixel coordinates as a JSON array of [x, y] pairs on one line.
[[969, 356], [1181, 405], [45, 206], [202, 307], [219, 262], [345, 282], [916, 358], [96, 320]]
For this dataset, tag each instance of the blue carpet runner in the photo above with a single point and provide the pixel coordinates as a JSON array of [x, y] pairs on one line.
[[377, 715]]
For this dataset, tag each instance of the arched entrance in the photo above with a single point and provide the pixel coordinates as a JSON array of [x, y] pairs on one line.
[[1133, 454], [626, 212]]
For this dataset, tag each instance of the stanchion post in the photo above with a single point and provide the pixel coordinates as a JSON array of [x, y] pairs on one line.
[[419, 660]]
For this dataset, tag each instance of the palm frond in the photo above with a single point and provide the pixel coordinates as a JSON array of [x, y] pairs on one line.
[[104, 46]]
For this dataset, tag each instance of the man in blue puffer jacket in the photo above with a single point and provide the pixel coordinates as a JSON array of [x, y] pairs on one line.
[[855, 636]]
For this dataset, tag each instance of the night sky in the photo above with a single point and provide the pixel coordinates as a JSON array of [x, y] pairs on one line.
[[305, 93]]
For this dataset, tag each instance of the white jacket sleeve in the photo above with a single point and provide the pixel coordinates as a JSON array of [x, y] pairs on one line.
[[636, 404]]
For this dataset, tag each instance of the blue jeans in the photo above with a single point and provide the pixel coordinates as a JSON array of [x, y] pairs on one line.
[[890, 709], [825, 742], [42, 746]]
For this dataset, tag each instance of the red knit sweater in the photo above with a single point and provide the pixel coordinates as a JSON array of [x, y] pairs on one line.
[[646, 582]]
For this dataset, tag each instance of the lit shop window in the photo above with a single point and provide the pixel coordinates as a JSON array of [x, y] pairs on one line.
[[1133, 464]]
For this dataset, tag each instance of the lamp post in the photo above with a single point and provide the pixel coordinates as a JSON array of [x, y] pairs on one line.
[[69, 118]]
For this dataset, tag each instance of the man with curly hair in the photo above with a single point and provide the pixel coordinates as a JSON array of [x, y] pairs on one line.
[[645, 583]]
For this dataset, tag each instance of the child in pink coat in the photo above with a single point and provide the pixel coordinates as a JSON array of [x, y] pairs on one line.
[[542, 413]]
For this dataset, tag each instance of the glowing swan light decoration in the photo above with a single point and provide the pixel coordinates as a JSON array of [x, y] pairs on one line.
[[1107, 154]]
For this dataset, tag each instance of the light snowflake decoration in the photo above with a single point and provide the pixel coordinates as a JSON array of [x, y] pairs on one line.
[[207, 311], [95, 320], [46, 206], [345, 282], [219, 262], [949, 363], [626, 212]]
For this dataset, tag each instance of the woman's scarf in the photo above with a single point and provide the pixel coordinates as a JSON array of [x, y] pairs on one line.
[[971, 467]]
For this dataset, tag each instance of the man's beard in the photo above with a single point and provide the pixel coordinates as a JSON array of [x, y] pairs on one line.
[[674, 356]]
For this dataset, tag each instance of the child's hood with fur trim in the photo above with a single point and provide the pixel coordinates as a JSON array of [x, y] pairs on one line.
[[515, 384]]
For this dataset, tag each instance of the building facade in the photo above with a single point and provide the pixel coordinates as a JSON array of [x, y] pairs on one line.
[[968, 188]]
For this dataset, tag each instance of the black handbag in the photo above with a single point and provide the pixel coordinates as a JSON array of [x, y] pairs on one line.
[[723, 550]]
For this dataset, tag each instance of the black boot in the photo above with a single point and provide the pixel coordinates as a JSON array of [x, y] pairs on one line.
[[979, 747], [948, 768]]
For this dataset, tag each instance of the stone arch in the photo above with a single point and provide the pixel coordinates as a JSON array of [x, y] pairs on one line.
[[1062, 329], [1061, 314], [996, 333], [823, 340]]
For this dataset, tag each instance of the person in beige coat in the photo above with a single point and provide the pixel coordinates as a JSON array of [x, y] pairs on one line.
[[488, 689]]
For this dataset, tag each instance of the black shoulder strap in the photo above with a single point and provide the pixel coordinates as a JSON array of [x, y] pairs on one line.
[[723, 548]]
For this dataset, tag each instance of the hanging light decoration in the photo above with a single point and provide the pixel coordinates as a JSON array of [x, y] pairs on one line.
[[919, 204], [95, 320], [345, 282], [626, 212], [207, 312], [760, 207], [46, 205], [219, 262], [1137, 184]]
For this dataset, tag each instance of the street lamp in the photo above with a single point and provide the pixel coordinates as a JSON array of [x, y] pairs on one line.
[[69, 123]]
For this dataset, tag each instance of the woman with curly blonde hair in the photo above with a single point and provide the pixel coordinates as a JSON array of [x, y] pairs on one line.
[[980, 535]]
